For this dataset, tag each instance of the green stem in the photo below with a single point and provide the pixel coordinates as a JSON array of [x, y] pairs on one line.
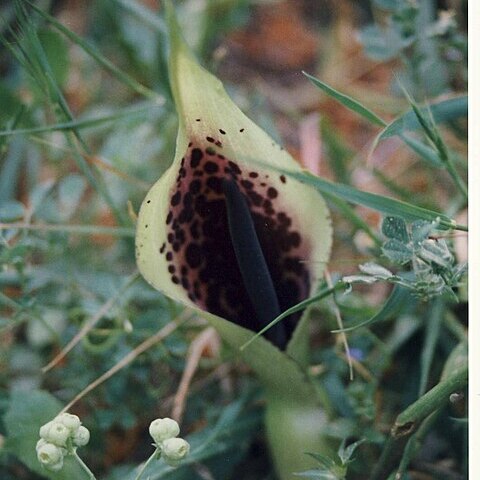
[[455, 327], [152, 457], [408, 421], [414, 443], [83, 465]]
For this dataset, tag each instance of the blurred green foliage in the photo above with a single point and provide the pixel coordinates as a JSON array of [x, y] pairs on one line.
[[66, 249]]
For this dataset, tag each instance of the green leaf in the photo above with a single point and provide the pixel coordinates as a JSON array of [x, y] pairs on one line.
[[371, 268], [9, 102], [367, 279], [423, 151], [442, 111], [56, 52], [381, 44], [26, 413], [385, 205], [436, 252], [347, 101], [396, 301], [397, 251], [345, 454], [421, 230], [395, 228], [314, 474]]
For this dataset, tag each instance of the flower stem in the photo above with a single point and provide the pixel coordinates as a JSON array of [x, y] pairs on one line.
[[152, 457], [83, 465]]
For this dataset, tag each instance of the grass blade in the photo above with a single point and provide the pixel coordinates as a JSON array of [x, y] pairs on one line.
[[425, 152], [380, 203], [96, 55], [30, 49], [86, 123], [347, 101], [426, 120], [443, 111], [398, 298], [297, 308]]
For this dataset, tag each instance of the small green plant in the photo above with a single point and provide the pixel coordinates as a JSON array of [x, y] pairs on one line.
[[333, 469], [433, 269], [428, 43]]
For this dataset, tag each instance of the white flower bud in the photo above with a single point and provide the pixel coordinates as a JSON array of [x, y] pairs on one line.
[[81, 437], [40, 443], [44, 429], [56, 467], [57, 433], [163, 428], [72, 422], [175, 449], [48, 454]]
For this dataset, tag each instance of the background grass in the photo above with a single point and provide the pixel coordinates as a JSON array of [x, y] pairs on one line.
[[87, 125]]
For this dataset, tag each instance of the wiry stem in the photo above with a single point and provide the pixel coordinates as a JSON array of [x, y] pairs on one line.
[[153, 456]]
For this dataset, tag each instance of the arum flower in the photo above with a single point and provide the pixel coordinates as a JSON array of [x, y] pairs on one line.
[[224, 232]]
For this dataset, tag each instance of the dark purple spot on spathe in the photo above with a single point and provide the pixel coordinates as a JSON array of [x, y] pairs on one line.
[[234, 168], [194, 187], [283, 179], [215, 183], [210, 139], [175, 200], [194, 255], [211, 167], [255, 197], [196, 157], [272, 192], [222, 131], [246, 184]]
